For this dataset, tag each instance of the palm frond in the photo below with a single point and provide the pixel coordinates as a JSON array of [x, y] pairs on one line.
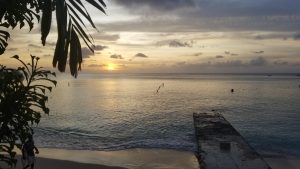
[[68, 37], [3, 40]]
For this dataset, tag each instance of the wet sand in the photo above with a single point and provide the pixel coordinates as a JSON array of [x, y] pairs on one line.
[[131, 159], [137, 159]]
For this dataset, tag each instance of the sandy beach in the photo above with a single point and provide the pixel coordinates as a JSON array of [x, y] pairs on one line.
[[45, 163], [131, 159], [137, 159]]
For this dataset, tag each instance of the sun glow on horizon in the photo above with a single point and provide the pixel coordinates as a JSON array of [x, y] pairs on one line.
[[111, 67]]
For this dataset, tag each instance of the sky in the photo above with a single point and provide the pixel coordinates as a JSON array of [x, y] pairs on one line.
[[182, 36]]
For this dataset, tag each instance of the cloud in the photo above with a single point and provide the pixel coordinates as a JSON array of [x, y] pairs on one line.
[[115, 56], [219, 56], [86, 52], [259, 61], [47, 55], [140, 55], [227, 53], [208, 15], [259, 52], [12, 49], [100, 47], [197, 54], [175, 43], [232, 63], [155, 5], [97, 65], [106, 36], [231, 54], [280, 62], [34, 46]]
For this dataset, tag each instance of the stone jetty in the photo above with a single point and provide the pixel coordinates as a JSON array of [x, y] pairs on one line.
[[220, 146]]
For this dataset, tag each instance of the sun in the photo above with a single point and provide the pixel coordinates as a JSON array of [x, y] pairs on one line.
[[110, 67]]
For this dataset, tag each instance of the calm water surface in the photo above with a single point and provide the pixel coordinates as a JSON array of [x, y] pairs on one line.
[[112, 112]]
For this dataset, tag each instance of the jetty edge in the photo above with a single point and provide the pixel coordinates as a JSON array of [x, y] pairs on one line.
[[221, 146]]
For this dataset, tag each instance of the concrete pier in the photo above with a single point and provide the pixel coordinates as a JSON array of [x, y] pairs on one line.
[[220, 146]]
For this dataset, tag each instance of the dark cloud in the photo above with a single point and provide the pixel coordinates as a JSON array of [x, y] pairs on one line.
[[197, 54], [156, 5], [97, 65], [216, 7], [176, 43], [140, 55], [210, 15], [227, 53], [100, 47], [274, 35], [259, 52], [86, 52], [280, 62], [115, 56], [106, 36], [207, 24], [219, 56], [259, 61], [34, 45], [231, 63]]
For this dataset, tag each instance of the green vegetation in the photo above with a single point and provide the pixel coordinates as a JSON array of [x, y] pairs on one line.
[[22, 100], [23, 90]]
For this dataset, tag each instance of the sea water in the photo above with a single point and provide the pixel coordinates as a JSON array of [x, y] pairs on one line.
[[114, 112]]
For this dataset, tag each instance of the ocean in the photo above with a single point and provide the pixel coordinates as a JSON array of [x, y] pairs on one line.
[[115, 112]]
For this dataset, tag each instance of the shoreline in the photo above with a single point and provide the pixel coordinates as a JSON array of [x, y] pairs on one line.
[[130, 158], [138, 158]]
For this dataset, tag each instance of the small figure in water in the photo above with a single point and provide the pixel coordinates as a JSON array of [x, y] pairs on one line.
[[160, 86], [232, 90], [28, 152]]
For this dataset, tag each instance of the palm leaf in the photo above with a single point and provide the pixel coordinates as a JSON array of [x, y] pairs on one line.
[[46, 20]]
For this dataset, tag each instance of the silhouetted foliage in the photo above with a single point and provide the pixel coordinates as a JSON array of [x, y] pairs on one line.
[[70, 16], [22, 100]]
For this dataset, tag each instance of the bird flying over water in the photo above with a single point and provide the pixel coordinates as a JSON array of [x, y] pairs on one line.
[[160, 86]]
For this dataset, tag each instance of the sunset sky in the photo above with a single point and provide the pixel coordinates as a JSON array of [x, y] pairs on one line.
[[183, 36]]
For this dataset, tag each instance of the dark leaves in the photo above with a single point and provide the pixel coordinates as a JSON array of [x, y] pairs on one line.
[[72, 12], [68, 36], [3, 41], [22, 100], [46, 20]]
